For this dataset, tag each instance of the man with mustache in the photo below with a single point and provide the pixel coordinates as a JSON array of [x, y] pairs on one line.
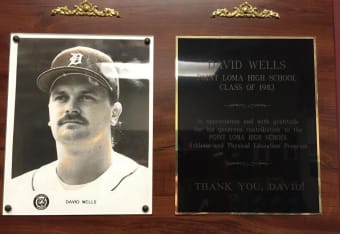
[[83, 89]]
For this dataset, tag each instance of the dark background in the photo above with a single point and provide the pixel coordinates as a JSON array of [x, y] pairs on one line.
[[202, 100], [33, 144], [166, 20]]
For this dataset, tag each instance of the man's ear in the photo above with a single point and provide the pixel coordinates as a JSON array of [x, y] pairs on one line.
[[116, 111]]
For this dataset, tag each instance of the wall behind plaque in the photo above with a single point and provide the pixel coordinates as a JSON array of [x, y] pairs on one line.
[[165, 20]]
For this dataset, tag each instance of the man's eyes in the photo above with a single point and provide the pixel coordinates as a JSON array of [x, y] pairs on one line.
[[64, 98], [87, 98], [60, 98]]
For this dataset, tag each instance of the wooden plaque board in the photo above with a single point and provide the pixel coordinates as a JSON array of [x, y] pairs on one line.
[[165, 20]]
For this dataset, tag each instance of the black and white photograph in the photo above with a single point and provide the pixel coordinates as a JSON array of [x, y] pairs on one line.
[[79, 125]]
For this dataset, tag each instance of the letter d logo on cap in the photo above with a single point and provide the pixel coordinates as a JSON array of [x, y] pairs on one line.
[[75, 59]]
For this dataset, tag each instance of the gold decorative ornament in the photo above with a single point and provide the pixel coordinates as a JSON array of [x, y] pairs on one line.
[[85, 8], [245, 10]]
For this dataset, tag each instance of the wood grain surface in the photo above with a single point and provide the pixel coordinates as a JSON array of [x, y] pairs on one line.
[[165, 20]]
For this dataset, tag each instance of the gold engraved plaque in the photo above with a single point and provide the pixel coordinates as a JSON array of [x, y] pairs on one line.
[[245, 10], [85, 8], [247, 126]]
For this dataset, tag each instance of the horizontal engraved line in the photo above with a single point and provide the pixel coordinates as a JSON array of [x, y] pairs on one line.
[[247, 106]]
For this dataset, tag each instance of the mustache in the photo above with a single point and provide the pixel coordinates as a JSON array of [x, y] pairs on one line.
[[72, 118]]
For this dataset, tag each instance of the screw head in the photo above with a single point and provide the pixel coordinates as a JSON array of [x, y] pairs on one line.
[[147, 41], [145, 208], [8, 208], [16, 38]]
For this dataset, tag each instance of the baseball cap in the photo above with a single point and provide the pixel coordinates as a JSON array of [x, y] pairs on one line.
[[81, 60]]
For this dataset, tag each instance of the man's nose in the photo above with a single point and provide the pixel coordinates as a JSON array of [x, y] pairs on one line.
[[72, 107]]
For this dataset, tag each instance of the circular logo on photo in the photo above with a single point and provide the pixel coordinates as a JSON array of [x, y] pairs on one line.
[[41, 202]]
